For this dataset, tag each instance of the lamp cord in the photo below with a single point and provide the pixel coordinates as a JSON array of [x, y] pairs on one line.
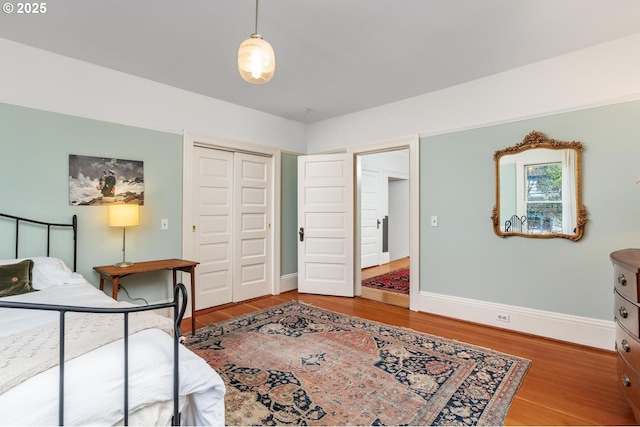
[[129, 296]]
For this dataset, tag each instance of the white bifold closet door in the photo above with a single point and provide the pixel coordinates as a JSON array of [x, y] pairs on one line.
[[232, 226]]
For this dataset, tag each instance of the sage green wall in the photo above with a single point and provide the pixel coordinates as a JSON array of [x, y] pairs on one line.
[[289, 214], [34, 152], [462, 257]]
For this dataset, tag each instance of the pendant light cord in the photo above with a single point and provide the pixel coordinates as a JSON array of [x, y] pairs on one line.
[[256, 32]]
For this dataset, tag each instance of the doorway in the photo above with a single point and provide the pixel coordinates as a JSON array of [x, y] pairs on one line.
[[383, 194], [339, 233], [410, 143]]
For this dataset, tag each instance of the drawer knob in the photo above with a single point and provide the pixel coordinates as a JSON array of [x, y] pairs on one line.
[[623, 312], [626, 381], [625, 346], [622, 281]]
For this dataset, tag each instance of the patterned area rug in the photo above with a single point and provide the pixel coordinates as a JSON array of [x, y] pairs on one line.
[[296, 364], [394, 281]]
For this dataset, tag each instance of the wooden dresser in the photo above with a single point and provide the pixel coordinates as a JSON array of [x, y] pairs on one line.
[[626, 268]]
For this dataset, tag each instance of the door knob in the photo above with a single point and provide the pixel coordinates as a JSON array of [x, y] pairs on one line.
[[301, 233]]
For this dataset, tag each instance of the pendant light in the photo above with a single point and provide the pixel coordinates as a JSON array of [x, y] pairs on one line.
[[256, 60]]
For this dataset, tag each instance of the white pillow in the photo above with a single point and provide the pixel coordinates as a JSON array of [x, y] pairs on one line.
[[48, 272]]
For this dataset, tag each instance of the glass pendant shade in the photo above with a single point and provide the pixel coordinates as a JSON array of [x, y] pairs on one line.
[[256, 60]]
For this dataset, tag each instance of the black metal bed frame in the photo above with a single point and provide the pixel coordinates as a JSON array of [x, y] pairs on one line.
[[179, 304], [73, 225]]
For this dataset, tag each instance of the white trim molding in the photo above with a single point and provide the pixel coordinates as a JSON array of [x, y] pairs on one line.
[[412, 143], [288, 282], [564, 327]]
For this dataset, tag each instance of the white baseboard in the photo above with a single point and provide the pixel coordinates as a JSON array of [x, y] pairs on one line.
[[288, 282], [563, 327]]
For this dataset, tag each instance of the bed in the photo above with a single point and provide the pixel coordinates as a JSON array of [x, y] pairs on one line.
[[123, 364]]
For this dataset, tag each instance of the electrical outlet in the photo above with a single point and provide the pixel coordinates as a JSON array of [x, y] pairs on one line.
[[502, 317], [164, 224]]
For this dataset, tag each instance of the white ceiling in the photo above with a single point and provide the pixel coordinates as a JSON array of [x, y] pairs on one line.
[[333, 56]]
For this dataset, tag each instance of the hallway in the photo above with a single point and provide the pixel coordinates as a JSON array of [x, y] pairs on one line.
[[386, 297]]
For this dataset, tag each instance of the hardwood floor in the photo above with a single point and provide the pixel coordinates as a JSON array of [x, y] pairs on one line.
[[384, 296], [566, 384]]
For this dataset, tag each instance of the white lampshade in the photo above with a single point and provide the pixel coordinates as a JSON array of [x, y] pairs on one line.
[[256, 60], [123, 215]]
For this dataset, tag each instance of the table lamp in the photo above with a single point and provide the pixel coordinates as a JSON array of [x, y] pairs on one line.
[[123, 215]]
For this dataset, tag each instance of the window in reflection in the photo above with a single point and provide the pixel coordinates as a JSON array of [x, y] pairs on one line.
[[543, 198]]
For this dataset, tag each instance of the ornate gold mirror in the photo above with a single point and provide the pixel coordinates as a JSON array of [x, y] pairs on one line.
[[538, 189]]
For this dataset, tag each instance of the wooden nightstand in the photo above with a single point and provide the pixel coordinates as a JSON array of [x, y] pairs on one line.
[[114, 274]]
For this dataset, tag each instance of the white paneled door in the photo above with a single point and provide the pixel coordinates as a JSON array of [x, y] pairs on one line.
[[231, 210], [325, 224], [212, 172], [370, 219], [252, 264]]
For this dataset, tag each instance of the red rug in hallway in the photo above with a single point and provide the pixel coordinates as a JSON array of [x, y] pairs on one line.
[[394, 281]]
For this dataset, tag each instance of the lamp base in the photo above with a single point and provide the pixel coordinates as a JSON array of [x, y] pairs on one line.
[[123, 264]]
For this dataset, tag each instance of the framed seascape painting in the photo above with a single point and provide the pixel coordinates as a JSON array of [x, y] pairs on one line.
[[95, 181]]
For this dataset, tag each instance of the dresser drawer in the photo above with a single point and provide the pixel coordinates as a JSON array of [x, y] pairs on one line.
[[625, 282], [626, 313], [629, 385], [628, 347]]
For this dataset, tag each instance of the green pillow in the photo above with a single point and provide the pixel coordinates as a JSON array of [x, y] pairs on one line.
[[15, 279]]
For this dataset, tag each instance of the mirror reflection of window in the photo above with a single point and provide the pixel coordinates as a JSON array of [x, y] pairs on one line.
[[538, 189], [545, 182], [543, 198]]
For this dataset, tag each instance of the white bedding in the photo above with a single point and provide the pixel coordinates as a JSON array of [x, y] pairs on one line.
[[94, 381]]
